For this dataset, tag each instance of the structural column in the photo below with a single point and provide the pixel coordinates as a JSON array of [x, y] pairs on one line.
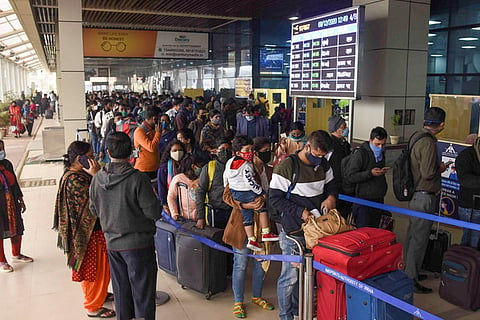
[[70, 69], [393, 70]]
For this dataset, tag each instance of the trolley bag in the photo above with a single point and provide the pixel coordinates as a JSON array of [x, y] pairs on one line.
[[438, 244], [460, 283], [395, 283], [200, 267], [360, 254], [165, 247], [49, 114], [183, 213]]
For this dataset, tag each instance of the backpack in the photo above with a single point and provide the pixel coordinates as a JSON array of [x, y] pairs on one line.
[[348, 188], [403, 182], [276, 215]]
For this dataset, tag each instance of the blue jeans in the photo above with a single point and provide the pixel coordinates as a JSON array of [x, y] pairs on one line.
[[246, 197], [287, 285], [240, 264], [470, 237], [134, 279], [95, 142]]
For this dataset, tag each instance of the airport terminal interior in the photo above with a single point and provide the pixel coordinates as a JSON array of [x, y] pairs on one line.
[[394, 59]]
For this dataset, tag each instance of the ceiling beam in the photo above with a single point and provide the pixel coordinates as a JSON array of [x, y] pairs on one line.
[[141, 26], [7, 13], [168, 13], [11, 33], [16, 45]]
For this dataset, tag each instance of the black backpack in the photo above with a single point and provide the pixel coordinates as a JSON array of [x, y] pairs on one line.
[[348, 188], [276, 215], [403, 182]]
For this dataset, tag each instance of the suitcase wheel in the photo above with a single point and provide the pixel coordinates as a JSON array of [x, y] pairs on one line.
[[208, 296], [183, 287]]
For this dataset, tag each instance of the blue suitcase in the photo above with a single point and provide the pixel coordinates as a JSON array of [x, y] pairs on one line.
[[165, 247], [395, 283]]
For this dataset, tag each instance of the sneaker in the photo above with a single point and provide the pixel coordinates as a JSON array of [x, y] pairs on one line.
[[22, 258], [269, 237], [5, 267], [253, 245]]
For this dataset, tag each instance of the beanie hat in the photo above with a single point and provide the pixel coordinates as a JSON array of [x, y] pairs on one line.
[[334, 122]]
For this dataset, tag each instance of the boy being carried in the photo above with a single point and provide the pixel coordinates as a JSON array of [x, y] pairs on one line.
[[240, 176]]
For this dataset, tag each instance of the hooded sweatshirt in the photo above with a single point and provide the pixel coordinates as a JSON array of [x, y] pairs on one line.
[[123, 199]]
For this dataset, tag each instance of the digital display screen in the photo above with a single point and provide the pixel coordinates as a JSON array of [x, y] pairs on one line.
[[324, 55], [271, 61]]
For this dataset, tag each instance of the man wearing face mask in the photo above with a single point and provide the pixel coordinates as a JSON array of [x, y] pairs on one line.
[[366, 170], [146, 140], [211, 131], [251, 125], [341, 148], [210, 190], [197, 125], [314, 190]]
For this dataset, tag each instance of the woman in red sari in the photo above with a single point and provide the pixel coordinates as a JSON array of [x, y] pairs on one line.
[[15, 113], [11, 209]]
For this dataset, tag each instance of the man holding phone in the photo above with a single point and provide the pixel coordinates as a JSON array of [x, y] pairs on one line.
[[146, 140], [367, 171]]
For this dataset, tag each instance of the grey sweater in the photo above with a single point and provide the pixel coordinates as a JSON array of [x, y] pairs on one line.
[[123, 199]]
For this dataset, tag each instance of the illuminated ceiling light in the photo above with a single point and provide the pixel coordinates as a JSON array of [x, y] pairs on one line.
[[468, 39], [436, 55], [294, 17], [469, 47], [476, 28], [288, 41], [270, 45], [432, 22], [432, 34], [430, 43]]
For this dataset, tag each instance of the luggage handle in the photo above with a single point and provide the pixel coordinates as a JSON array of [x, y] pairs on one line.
[[179, 186]]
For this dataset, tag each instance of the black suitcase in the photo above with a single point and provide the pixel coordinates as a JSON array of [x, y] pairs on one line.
[[460, 283], [438, 244], [48, 114], [165, 247], [200, 267]]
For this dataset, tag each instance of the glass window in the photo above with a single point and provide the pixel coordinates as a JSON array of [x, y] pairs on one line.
[[437, 52], [436, 84], [464, 12], [463, 50]]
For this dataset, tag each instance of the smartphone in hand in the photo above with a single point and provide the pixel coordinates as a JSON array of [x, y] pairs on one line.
[[385, 169], [84, 161]]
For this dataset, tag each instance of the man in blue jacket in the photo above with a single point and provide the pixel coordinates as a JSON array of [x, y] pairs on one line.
[[123, 200], [252, 125]]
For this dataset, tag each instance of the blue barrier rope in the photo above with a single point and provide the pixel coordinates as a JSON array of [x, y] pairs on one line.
[[412, 213], [419, 313], [215, 245]]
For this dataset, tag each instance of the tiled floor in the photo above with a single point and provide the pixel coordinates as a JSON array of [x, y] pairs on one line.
[[43, 290]]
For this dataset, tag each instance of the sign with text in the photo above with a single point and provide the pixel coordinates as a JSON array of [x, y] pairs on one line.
[[324, 55], [144, 44]]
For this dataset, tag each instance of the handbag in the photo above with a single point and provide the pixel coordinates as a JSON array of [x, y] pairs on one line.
[[327, 225]]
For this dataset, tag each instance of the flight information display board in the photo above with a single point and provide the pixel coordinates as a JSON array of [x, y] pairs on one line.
[[324, 55]]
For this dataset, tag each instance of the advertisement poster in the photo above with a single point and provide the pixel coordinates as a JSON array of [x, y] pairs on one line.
[[448, 152], [144, 44], [243, 87]]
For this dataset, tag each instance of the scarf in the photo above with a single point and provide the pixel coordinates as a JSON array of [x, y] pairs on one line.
[[72, 219], [10, 205]]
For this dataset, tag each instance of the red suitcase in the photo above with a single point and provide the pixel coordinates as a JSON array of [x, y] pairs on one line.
[[360, 254]]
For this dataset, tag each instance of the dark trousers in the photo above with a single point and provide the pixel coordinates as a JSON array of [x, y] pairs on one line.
[[134, 280], [366, 216]]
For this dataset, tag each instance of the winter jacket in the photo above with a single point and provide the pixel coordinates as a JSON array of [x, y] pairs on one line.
[[468, 170]]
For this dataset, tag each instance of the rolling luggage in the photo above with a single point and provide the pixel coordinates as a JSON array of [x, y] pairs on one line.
[[360, 254], [438, 244], [395, 283], [165, 247], [49, 114], [200, 267], [460, 283]]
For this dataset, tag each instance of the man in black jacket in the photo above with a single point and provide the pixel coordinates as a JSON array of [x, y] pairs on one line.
[[468, 170], [367, 170]]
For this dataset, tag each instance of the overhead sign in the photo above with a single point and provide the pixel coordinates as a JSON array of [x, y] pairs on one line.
[[324, 55], [144, 44]]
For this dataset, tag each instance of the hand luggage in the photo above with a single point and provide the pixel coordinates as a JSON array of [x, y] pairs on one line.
[[360, 254], [200, 267], [460, 283], [183, 195], [438, 244], [49, 114], [395, 283], [165, 247]]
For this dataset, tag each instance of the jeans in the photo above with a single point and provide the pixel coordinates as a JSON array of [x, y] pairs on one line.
[[470, 237], [418, 233], [240, 264], [95, 142], [246, 197], [287, 285], [134, 279]]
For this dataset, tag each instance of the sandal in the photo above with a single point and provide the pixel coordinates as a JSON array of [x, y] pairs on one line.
[[109, 297], [22, 258], [239, 310], [5, 267], [103, 313], [262, 303]]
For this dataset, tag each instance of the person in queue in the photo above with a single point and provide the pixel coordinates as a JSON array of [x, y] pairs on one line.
[[79, 232], [197, 125], [146, 140], [167, 134], [11, 208], [294, 142], [187, 137], [211, 131], [314, 191], [252, 125]]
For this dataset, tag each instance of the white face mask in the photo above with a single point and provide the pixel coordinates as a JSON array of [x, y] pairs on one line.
[[3, 154], [249, 118], [119, 122], [176, 155]]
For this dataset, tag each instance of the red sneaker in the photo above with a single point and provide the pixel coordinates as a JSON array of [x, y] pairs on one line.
[[254, 245], [269, 237]]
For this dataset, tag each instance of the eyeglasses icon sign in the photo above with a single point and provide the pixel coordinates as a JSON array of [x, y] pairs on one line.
[[119, 46]]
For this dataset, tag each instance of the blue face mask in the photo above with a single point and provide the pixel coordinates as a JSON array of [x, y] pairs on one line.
[[345, 132], [2, 155], [378, 152], [316, 161], [164, 125]]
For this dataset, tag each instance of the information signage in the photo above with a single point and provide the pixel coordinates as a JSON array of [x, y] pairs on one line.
[[324, 55]]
